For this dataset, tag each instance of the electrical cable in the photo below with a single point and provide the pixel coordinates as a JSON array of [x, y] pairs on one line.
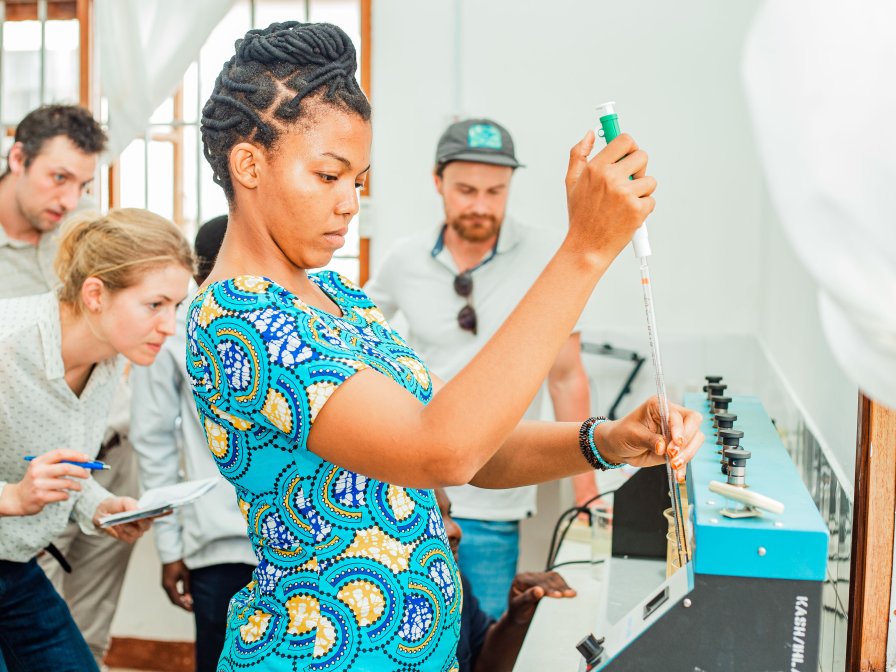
[[570, 513], [562, 537], [574, 511], [552, 548]]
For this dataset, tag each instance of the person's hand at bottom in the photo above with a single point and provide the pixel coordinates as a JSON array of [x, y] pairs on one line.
[[527, 590], [176, 583]]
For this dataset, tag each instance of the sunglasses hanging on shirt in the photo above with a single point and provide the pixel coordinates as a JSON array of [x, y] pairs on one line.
[[463, 287]]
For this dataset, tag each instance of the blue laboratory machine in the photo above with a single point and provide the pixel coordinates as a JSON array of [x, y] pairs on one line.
[[750, 599]]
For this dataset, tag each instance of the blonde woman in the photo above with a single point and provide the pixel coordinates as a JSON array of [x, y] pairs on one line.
[[122, 277]]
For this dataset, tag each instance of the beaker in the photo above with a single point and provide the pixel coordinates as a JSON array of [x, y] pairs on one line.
[[601, 537], [672, 559]]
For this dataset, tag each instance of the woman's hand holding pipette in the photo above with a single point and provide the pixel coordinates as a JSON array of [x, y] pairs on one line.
[[606, 207], [637, 439]]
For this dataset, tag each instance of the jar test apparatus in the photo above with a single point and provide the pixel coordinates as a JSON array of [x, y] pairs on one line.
[[609, 129]]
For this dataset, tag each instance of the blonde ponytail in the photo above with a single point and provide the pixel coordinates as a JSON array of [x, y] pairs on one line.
[[118, 248]]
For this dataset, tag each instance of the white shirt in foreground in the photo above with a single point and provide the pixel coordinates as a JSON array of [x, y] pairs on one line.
[[39, 413]]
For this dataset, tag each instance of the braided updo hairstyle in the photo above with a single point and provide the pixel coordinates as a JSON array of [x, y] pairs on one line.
[[277, 77]]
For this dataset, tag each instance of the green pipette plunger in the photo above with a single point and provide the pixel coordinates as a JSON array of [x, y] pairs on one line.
[[609, 129], [609, 123]]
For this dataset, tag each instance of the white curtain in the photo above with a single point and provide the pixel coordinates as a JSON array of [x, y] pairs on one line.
[[145, 48], [820, 83]]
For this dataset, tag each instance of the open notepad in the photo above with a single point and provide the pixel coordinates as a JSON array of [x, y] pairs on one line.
[[162, 500]]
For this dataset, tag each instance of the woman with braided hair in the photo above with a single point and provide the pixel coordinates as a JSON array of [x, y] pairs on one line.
[[330, 427]]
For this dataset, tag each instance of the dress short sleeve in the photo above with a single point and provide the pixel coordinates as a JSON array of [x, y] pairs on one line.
[[258, 354]]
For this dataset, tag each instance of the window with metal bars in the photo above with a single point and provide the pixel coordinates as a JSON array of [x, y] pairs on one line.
[[40, 58], [44, 58]]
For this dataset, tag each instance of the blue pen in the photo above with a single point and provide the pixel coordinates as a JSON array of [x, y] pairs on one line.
[[94, 466]]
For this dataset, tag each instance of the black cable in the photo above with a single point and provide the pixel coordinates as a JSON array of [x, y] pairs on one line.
[[574, 511], [562, 536], [553, 545]]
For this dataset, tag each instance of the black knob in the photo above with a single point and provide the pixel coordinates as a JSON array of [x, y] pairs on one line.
[[714, 389], [591, 649], [736, 459], [719, 403], [713, 379], [730, 437], [737, 456], [724, 420]]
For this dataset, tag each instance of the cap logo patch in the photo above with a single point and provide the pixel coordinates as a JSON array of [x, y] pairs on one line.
[[484, 136]]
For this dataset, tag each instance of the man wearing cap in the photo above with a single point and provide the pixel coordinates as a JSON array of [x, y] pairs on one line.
[[455, 285]]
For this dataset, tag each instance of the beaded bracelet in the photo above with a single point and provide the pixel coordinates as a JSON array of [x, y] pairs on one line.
[[589, 448]]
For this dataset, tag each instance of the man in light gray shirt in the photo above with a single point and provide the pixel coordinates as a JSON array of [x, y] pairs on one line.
[[456, 283], [49, 167]]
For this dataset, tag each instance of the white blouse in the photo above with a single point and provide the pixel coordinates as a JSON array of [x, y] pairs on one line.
[[39, 412]]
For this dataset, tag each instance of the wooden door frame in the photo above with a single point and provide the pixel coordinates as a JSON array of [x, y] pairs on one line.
[[871, 559]]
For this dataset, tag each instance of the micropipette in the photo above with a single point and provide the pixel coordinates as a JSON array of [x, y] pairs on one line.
[[609, 129]]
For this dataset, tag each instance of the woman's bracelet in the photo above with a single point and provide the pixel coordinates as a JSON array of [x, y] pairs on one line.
[[589, 448]]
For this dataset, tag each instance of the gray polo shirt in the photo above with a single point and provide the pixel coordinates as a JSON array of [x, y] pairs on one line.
[[416, 279], [26, 269]]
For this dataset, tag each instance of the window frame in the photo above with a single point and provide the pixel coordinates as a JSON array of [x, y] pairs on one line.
[[176, 137]]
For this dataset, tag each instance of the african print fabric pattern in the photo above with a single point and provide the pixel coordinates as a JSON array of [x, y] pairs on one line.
[[353, 573]]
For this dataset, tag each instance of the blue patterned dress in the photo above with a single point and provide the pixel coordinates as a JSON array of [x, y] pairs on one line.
[[353, 574]]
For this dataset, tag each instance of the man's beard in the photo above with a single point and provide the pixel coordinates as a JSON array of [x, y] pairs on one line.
[[475, 229]]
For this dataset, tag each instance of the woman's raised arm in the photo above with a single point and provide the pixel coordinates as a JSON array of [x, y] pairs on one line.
[[373, 426]]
